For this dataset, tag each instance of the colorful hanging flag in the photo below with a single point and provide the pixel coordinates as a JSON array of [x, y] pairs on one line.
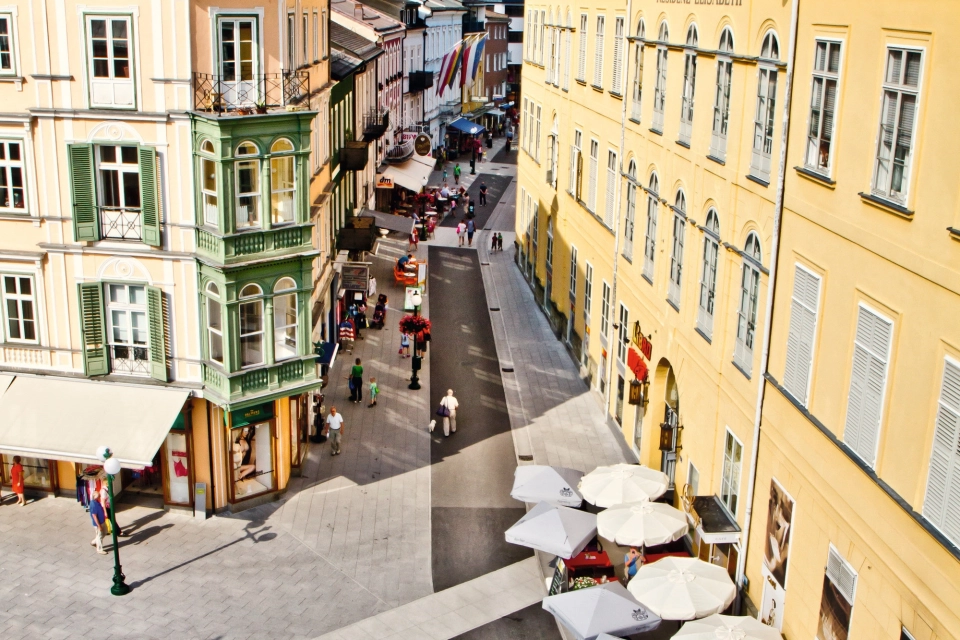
[[477, 58], [467, 49], [442, 74], [455, 62]]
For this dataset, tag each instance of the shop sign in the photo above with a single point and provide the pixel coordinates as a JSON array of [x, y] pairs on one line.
[[256, 413], [636, 363], [636, 392], [384, 182], [423, 145], [642, 343], [560, 583], [353, 276]]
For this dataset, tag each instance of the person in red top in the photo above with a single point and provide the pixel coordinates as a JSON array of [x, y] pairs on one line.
[[16, 479]]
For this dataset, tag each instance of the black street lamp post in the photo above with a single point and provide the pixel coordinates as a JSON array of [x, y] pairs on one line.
[[112, 467], [417, 299]]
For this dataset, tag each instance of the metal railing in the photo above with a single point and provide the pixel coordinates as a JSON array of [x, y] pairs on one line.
[[129, 359], [375, 124], [121, 223], [401, 151], [222, 96]]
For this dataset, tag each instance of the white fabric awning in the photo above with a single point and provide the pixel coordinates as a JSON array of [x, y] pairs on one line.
[[68, 420], [411, 174]]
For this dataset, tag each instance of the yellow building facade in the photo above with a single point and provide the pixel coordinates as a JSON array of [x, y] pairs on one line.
[[859, 466], [648, 176], [677, 160]]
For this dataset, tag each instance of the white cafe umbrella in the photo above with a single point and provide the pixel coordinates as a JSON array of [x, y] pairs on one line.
[[554, 529], [619, 483], [718, 627], [683, 588], [533, 483], [642, 523], [595, 611]]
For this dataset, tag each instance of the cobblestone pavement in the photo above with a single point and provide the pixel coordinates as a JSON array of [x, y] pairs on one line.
[[350, 540]]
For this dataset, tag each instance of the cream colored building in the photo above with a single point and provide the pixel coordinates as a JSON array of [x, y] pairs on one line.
[[649, 147], [157, 241], [655, 187]]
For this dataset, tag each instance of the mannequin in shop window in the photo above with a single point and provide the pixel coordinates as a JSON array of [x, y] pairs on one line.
[[244, 461]]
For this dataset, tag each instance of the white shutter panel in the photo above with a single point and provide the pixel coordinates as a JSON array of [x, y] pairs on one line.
[[582, 62], [566, 66], [942, 503], [548, 76], [842, 575], [867, 381], [803, 320], [598, 54], [611, 189]]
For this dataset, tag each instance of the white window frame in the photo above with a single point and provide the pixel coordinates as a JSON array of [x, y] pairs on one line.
[[605, 311], [282, 161], [630, 214], [721, 101], [543, 15], [594, 175], [748, 309], [650, 239], [212, 297], [568, 46], [131, 366], [660, 87], [764, 122], [623, 333], [587, 294], [582, 58], [885, 191], [20, 301], [256, 300], [676, 257], [576, 151], [537, 145], [110, 82], [795, 341], [816, 119], [285, 287], [598, 52], [689, 85], [730, 486], [12, 49], [120, 220], [7, 169], [610, 206], [256, 194], [618, 40], [710, 267], [573, 274], [868, 457], [316, 36], [637, 93], [210, 198]]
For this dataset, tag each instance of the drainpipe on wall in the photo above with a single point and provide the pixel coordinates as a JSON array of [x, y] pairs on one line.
[[615, 309], [768, 308]]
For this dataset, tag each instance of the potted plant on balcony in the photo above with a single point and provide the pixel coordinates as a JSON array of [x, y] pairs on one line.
[[261, 107]]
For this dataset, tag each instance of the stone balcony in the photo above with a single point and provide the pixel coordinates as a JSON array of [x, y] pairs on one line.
[[254, 244]]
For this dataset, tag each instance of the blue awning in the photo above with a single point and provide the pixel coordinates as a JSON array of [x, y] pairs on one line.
[[329, 353], [465, 126]]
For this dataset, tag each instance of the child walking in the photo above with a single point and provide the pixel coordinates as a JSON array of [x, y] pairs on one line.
[[404, 346], [374, 392]]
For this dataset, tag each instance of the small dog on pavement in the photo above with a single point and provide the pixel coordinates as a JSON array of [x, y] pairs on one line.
[[433, 424]]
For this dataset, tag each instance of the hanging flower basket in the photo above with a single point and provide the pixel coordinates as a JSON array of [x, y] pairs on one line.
[[414, 324]]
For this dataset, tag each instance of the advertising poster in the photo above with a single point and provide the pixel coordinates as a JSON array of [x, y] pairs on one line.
[[834, 623], [771, 606], [776, 555]]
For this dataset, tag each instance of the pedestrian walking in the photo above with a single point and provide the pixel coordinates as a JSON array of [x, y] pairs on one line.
[[509, 139], [483, 193], [98, 518], [456, 173], [16, 480], [448, 410], [493, 242], [334, 430], [471, 229], [405, 341], [461, 230], [374, 392], [444, 174], [356, 382], [414, 242], [108, 508], [499, 242]]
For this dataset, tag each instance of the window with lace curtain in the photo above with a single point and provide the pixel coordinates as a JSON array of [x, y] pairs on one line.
[[901, 85]]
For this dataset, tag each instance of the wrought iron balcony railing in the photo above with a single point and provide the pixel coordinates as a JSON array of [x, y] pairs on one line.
[[228, 96], [375, 124], [121, 223], [400, 152]]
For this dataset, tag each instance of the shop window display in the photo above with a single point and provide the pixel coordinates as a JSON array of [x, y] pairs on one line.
[[252, 450], [36, 472], [177, 467]]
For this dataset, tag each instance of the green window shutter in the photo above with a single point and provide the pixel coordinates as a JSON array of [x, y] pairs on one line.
[[83, 192], [157, 340], [92, 329], [149, 199]]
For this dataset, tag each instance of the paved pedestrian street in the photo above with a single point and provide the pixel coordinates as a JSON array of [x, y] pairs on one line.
[[387, 540]]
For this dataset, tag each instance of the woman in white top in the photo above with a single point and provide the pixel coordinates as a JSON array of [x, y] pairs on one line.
[[450, 422], [461, 229]]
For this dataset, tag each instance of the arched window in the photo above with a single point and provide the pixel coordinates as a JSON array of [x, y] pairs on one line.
[[285, 319], [650, 243], [689, 85], [660, 88], [708, 276], [248, 186], [749, 298], [282, 182], [631, 211], [214, 324], [766, 107], [637, 92], [208, 184], [676, 256], [721, 101], [251, 326]]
